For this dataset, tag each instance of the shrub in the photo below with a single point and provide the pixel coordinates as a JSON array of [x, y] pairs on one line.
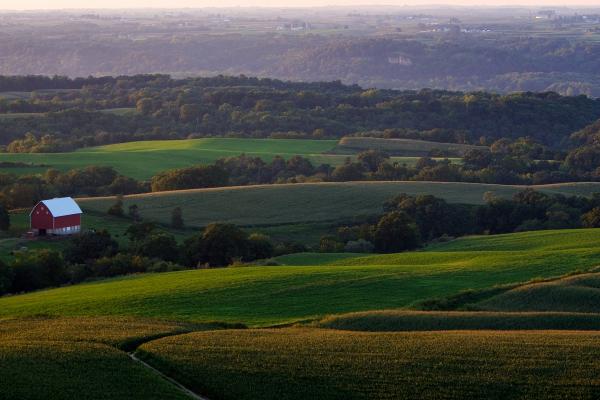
[[395, 232], [359, 246], [330, 244], [259, 247], [90, 245], [117, 208], [177, 218], [223, 243], [37, 269], [4, 218], [591, 219], [6, 278], [158, 245]]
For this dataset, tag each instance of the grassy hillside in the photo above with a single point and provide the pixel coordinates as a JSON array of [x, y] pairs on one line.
[[270, 295], [321, 364], [311, 202], [403, 147]]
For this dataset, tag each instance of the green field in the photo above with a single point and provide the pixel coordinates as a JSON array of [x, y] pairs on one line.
[[21, 95], [322, 364], [142, 160], [403, 147], [272, 205], [261, 296]]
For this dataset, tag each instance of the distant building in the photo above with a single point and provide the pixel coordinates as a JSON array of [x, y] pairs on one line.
[[60, 216], [399, 60]]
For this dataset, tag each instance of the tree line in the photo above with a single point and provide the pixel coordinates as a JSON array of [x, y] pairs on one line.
[[522, 161], [412, 221], [96, 254], [161, 107]]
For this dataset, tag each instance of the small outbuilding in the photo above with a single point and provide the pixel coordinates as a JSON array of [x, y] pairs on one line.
[[60, 216]]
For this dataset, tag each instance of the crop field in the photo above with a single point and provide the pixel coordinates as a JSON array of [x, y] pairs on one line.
[[323, 364], [401, 321], [75, 357], [403, 147], [21, 115], [579, 293], [141, 160], [122, 333], [272, 205], [68, 370], [263, 296], [21, 95]]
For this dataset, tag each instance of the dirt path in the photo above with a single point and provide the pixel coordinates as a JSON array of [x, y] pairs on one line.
[[168, 379]]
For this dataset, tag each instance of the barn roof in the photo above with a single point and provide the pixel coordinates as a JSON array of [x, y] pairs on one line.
[[62, 206]]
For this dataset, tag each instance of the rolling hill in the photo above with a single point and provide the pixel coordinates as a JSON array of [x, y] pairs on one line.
[[307, 202], [141, 160], [299, 364], [262, 296]]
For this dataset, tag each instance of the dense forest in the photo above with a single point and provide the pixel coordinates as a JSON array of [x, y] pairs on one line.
[[117, 109]]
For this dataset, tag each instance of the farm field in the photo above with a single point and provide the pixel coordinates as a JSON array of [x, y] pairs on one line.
[[273, 205], [303, 364], [63, 358], [407, 321], [403, 147], [263, 296], [141, 160], [579, 293]]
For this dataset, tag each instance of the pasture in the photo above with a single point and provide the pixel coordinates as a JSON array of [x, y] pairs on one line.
[[263, 296], [323, 364], [290, 204]]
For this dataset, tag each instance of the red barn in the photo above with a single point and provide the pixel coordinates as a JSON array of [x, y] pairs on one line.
[[56, 217]]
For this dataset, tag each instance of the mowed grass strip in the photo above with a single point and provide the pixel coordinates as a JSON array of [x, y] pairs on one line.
[[307, 202], [320, 364], [263, 296], [400, 320]]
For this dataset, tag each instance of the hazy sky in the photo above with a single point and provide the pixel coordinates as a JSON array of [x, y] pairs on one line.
[[61, 4]]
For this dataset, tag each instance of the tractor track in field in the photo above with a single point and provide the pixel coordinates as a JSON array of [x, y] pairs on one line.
[[172, 381]]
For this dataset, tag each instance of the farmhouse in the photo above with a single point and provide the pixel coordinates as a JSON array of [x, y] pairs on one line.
[[60, 216]]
